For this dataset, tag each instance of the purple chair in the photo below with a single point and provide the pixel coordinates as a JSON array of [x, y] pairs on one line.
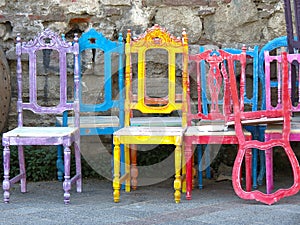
[[59, 54]]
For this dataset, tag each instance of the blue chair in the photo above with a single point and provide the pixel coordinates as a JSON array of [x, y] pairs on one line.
[[95, 117], [250, 99]]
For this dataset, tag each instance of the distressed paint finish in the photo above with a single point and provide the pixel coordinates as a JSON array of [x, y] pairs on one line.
[[250, 99], [155, 37], [275, 131], [44, 135], [91, 124], [244, 145], [221, 107], [276, 43]]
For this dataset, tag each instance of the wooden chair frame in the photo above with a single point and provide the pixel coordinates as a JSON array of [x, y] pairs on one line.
[[24, 135], [250, 99], [91, 122], [244, 145], [206, 133], [154, 38]]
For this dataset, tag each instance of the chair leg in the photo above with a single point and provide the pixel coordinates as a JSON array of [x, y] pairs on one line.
[[189, 172], [22, 168], [262, 168], [134, 171], [116, 180], [269, 170], [207, 161], [67, 181], [254, 167], [6, 182], [127, 168], [177, 181], [122, 164], [200, 175], [248, 162], [78, 167], [262, 138], [183, 173], [60, 163]]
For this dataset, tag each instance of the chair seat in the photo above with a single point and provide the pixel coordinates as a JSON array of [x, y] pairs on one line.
[[212, 130], [40, 132], [92, 121], [156, 121], [261, 121], [150, 131], [277, 128]]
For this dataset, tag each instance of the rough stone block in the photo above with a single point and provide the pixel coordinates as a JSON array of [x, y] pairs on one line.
[[177, 3], [115, 2]]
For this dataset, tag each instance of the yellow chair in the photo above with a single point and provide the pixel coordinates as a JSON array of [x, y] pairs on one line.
[[155, 127]]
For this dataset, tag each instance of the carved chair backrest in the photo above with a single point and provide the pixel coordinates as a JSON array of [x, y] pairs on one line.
[[251, 93], [217, 87], [274, 89], [46, 41], [155, 39], [95, 41]]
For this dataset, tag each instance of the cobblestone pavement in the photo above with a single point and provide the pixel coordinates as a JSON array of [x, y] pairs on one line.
[[215, 204]]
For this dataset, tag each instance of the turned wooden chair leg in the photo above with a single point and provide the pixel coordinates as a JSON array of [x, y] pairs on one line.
[[177, 181], [22, 168], [116, 180], [127, 168], [134, 171], [189, 171], [67, 180], [6, 182]]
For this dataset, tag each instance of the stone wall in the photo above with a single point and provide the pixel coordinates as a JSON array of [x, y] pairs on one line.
[[223, 23]]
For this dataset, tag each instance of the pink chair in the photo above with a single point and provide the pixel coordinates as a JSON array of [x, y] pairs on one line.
[[275, 131], [43, 135], [265, 117], [213, 128]]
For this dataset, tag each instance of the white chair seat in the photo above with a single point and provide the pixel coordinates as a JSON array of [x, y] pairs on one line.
[[40, 132], [211, 130], [156, 121], [92, 121], [150, 131]]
